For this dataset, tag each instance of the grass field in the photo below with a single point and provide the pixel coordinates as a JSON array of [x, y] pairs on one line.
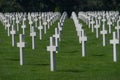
[[97, 65]]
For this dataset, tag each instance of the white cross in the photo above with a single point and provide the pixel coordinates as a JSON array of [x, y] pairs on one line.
[[110, 25], [40, 31], [17, 22], [21, 45], [92, 23], [103, 32], [113, 20], [33, 34], [13, 20], [97, 26], [23, 27], [118, 29], [48, 20], [83, 39], [59, 26], [13, 32], [52, 48], [57, 36], [103, 19], [8, 29], [45, 28], [51, 21], [36, 22], [99, 18], [5, 23], [114, 41], [30, 22], [89, 21]]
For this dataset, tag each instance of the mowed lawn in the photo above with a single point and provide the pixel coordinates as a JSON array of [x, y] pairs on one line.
[[97, 65]]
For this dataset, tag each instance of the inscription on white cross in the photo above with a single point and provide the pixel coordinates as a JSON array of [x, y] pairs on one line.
[[52, 48], [13, 32], [21, 45], [114, 41]]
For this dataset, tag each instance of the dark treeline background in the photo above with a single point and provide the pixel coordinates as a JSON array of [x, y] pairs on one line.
[[58, 5]]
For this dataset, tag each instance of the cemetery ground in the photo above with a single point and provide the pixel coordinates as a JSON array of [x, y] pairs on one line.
[[96, 65]]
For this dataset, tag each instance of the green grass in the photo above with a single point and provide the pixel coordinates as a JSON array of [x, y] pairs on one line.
[[97, 65]]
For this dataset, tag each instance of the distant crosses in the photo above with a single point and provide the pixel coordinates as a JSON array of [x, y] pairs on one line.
[[52, 48], [13, 32], [33, 34], [114, 41], [21, 45], [80, 33]]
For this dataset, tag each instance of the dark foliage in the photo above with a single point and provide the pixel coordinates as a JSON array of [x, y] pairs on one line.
[[58, 5]]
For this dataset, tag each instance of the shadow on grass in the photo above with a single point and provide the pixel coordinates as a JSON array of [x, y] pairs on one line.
[[98, 55], [74, 51], [12, 59], [39, 64], [73, 71]]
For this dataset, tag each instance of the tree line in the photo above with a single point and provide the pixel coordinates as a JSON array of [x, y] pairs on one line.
[[58, 5]]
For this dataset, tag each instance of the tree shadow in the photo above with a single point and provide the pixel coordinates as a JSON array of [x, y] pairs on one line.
[[72, 70], [73, 51], [13, 59], [43, 64], [98, 55]]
